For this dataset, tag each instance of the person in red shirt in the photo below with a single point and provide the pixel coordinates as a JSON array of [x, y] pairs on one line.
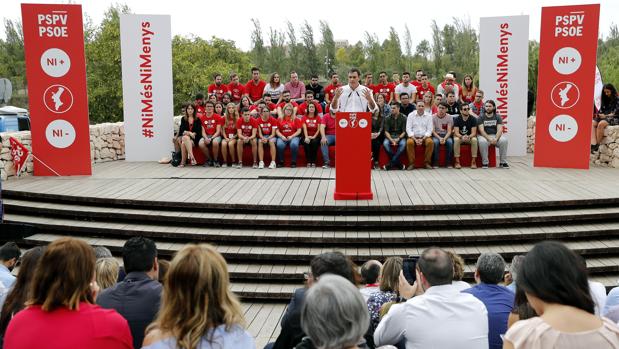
[[468, 90], [218, 88], [247, 131], [384, 87], [327, 137], [219, 107], [199, 105], [369, 82], [424, 87], [211, 135], [311, 134], [330, 89], [236, 90], [287, 100], [266, 136], [229, 134], [61, 310], [288, 130], [255, 87], [395, 79], [417, 81], [309, 99]]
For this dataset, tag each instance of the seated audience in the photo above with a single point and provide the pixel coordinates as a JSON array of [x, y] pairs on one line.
[[229, 134], [405, 87], [458, 263], [448, 85], [327, 138], [274, 88], [291, 333], [102, 252], [106, 272], [419, 129], [164, 266], [189, 134], [513, 271], [61, 310], [137, 297], [377, 135], [429, 107], [395, 136], [608, 115], [388, 290], [218, 88], [406, 107], [441, 135], [235, 89], [17, 295], [424, 86], [334, 315], [254, 88], [465, 132], [311, 134], [453, 106], [309, 99], [555, 282], [316, 88], [247, 133], [477, 106], [441, 317], [598, 292], [468, 90], [370, 274], [498, 300], [288, 130], [9, 256], [198, 310], [211, 135], [296, 88], [490, 128], [383, 107], [522, 310], [267, 127]]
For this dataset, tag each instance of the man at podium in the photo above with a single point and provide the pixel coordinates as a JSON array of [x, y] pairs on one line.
[[353, 97]]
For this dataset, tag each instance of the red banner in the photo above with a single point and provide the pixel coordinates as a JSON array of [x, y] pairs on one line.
[[56, 73], [565, 84], [353, 151], [19, 154]]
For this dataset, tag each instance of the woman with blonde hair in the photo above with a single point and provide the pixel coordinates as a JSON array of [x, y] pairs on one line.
[[198, 310], [106, 271], [228, 143], [61, 310], [389, 279], [458, 264]]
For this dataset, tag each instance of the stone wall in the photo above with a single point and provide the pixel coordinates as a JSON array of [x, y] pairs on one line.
[[107, 143]]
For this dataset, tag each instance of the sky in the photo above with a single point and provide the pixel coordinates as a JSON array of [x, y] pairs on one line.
[[232, 20]]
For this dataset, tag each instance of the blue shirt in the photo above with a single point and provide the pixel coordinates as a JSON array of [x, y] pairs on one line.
[[499, 302], [235, 338], [6, 277]]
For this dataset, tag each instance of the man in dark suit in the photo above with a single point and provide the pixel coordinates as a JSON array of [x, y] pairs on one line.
[[138, 296]]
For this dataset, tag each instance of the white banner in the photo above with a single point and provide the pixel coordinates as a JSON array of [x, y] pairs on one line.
[[503, 73], [146, 51]]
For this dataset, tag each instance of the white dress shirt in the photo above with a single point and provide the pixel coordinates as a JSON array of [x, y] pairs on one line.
[[441, 318], [353, 100], [598, 293], [418, 126]]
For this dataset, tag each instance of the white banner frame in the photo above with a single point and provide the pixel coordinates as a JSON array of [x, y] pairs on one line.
[[504, 71], [146, 52]]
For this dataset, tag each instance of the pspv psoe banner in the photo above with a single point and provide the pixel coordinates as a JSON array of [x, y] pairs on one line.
[[146, 52], [503, 74], [58, 100], [352, 155], [565, 84]]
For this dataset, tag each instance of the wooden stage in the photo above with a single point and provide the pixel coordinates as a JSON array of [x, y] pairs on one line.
[[269, 224]]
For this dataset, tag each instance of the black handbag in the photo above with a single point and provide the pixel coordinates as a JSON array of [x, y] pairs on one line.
[[176, 158]]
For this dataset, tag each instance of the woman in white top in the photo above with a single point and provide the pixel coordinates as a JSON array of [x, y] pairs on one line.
[[198, 310], [555, 282], [274, 88]]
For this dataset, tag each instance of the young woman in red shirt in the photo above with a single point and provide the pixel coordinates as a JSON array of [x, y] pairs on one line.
[[288, 131], [247, 131], [311, 134], [228, 143], [267, 125]]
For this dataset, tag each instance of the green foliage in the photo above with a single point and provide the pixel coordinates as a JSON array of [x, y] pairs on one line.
[[12, 63]]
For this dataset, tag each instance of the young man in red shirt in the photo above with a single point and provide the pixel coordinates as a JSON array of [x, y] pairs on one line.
[[236, 90], [247, 130], [330, 89], [424, 86], [384, 87], [309, 99], [211, 134], [266, 136], [285, 100], [369, 82], [199, 105], [255, 87], [417, 82], [218, 88]]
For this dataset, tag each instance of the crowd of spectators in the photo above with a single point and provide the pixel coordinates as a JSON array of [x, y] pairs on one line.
[[541, 300]]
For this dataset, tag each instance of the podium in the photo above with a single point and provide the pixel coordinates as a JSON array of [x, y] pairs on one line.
[[353, 149]]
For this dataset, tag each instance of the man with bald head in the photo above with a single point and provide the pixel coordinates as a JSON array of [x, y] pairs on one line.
[[437, 314]]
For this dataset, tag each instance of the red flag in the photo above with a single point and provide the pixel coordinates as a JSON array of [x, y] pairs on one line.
[[19, 154]]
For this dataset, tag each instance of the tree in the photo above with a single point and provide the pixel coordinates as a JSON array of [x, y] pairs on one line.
[[423, 50], [12, 62], [393, 52], [258, 51], [310, 51], [294, 52], [277, 53], [408, 49], [327, 47], [437, 48]]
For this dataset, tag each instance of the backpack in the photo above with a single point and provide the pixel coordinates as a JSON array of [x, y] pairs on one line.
[[176, 158]]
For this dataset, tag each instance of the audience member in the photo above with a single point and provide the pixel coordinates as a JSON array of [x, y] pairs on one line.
[[106, 272], [164, 266], [311, 134], [275, 88], [513, 271], [369, 82], [316, 88], [465, 132], [327, 263], [383, 108], [288, 131], [522, 310], [498, 300], [388, 290], [370, 274], [247, 132], [211, 135], [598, 292], [285, 99], [607, 115], [229, 133], [334, 315], [424, 87], [60, 310], [453, 105], [254, 89], [441, 317], [309, 99], [448, 85], [555, 282], [189, 135], [458, 264], [17, 295], [406, 107], [491, 134], [199, 104], [406, 87], [9, 256], [441, 135], [384, 87], [267, 126], [477, 106], [296, 88], [468, 90], [377, 135], [429, 108], [419, 128], [330, 89], [198, 310], [395, 136], [218, 88], [137, 297], [102, 252], [327, 138], [235, 89]]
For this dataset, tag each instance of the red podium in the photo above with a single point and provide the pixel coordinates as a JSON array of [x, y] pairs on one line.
[[353, 149]]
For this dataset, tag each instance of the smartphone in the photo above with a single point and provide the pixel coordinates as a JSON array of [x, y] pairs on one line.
[[408, 268]]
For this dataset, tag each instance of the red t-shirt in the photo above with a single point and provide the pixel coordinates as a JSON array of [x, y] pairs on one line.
[[330, 91], [90, 327], [246, 127], [210, 124], [416, 83], [302, 109], [294, 104], [372, 88], [385, 90], [230, 128], [255, 91], [268, 127], [312, 124], [288, 126], [236, 91], [200, 110], [329, 123], [218, 90], [422, 91]]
